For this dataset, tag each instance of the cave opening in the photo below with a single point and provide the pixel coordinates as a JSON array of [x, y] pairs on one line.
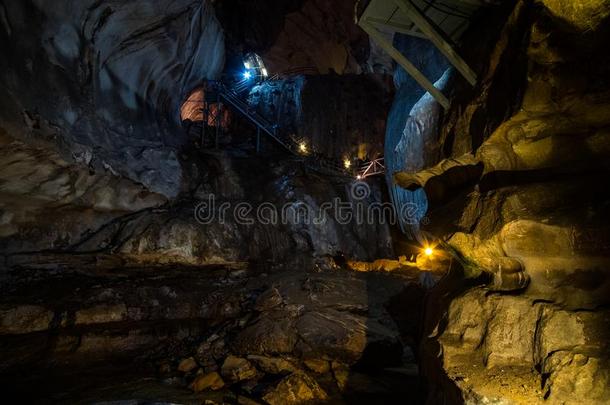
[[304, 202]]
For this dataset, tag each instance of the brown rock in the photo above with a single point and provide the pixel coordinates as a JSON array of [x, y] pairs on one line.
[[212, 381], [187, 365], [24, 319], [268, 300], [104, 313], [273, 365], [274, 332], [341, 373], [296, 389], [238, 369], [319, 366]]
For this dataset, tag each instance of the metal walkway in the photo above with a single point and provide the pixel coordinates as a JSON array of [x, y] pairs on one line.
[[218, 92]]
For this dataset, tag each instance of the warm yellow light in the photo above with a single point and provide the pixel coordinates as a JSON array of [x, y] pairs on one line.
[[428, 251], [347, 164], [303, 147]]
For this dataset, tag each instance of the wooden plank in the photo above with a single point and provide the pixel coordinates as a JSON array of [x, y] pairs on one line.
[[405, 63], [428, 28], [396, 27]]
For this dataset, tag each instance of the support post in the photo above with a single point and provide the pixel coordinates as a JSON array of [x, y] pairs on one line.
[[404, 62], [429, 29]]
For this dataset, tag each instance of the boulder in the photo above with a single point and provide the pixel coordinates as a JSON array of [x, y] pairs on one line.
[[296, 389], [272, 333], [187, 365], [319, 366], [237, 369], [347, 337], [273, 365], [211, 381], [24, 319], [268, 300]]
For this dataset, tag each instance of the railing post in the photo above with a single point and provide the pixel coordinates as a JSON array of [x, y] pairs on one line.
[[258, 139], [217, 117]]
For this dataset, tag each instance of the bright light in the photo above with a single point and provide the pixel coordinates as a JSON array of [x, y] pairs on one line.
[[347, 164], [358, 177], [247, 65], [247, 75], [303, 147], [428, 251], [264, 72]]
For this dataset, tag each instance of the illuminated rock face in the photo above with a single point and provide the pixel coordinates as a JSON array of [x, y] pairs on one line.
[[533, 218], [108, 78]]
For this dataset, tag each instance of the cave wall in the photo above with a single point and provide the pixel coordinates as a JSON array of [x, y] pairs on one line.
[[339, 116], [103, 81], [412, 125], [533, 226]]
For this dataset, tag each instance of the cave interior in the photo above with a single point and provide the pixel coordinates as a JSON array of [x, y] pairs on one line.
[[304, 202]]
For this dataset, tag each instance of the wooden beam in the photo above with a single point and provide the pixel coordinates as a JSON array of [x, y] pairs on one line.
[[405, 63], [397, 27], [429, 29]]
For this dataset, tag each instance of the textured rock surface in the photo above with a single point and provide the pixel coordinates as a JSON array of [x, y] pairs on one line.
[[491, 335], [194, 325], [296, 389], [106, 79], [338, 116], [534, 217]]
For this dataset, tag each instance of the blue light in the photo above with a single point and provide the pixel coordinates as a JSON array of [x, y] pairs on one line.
[[247, 75]]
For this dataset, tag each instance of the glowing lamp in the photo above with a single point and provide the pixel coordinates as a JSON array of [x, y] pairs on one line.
[[303, 147], [247, 75], [428, 251], [347, 164], [359, 177]]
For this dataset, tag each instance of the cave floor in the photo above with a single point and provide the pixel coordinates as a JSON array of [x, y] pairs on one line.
[[95, 332]]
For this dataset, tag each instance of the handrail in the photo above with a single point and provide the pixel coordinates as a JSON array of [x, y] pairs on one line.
[[313, 159]]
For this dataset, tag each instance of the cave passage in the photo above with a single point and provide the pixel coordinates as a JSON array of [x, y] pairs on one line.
[[305, 202]]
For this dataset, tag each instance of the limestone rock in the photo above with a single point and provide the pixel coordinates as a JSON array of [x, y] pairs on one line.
[[341, 372], [347, 337], [237, 369], [574, 378], [24, 319], [187, 365], [273, 333], [211, 381], [510, 332], [268, 300], [319, 366], [296, 389], [273, 365], [582, 15], [103, 313]]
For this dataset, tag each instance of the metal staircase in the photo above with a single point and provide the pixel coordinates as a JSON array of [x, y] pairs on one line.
[[218, 92], [231, 98]]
